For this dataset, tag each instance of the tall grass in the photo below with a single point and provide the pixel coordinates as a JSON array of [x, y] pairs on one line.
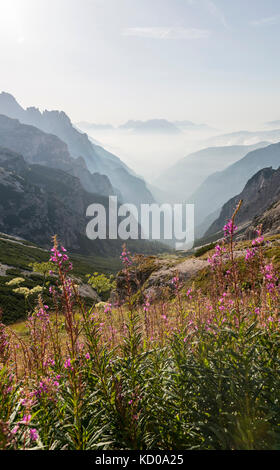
[[199, 371]]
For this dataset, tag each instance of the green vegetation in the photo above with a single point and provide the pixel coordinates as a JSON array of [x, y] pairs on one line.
[[200, 370], [31, 263], [102, 284]]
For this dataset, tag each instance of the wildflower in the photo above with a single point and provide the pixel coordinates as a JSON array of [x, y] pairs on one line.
[[15, 429], [250, 254], [67, 364], [26, 419], [229, 229], [188, 294], [33, 434], [125, 257], [108, 308], [147, 305]]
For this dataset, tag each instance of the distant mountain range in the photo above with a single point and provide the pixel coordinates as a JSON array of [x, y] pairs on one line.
[[245, 137], [151, 126], [218, 188], [273, 124], [132, 188], [183, 178]]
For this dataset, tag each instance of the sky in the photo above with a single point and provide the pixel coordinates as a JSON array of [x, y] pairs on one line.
[[107, 61]]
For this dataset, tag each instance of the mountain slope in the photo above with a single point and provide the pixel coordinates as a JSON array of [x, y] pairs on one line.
[[259, 194], [37, 202], [269, 220], [223, 185], [96, 158], [246, 137], [48, 150], [183, 178]]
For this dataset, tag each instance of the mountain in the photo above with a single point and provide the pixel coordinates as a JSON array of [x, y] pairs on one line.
[[258, 195], [183, 178], [189, 125], [151, 126], [245, 138], [97, 159], [269, 220], [273, 124], [48, 150], [37, 202], [223, 185]]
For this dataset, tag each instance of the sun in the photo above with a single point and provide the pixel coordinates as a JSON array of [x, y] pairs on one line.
[[11, 17]]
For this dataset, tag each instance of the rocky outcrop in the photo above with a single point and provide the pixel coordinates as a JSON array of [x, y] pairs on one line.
[[152, 277], [259, 194], [269, 220]]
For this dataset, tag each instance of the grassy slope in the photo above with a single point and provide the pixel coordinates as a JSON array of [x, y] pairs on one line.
[[19, 254]]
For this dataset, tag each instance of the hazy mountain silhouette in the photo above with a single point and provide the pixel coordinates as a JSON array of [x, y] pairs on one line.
[[47, 149], [183, 178], [151, 126], [97, 159]]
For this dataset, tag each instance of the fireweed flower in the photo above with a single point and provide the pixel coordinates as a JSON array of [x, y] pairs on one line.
[[108, 308], [146, 305], [125, 257], [26, 419], [15, 429], [250, 253], [67, 364], [188, 293], [270, 277], [33, 434], [60, 259], [216, 258], [47, 387], [229, 229]]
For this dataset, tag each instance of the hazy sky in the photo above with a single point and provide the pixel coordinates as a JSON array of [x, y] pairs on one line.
[[214, 61]]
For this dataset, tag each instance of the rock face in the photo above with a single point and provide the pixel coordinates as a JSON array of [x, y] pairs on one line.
[[223, 185], [153, 277], [270, 221], [259, 195], [96, 159], [48, 150], [37, 202]]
